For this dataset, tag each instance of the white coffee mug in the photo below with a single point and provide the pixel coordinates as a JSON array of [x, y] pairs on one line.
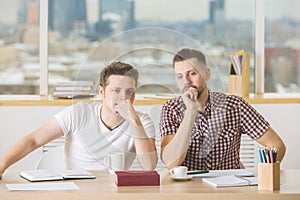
[[115, 161], [179, 171]]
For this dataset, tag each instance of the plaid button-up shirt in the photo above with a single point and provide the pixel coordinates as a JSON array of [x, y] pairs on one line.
[[216, 134]]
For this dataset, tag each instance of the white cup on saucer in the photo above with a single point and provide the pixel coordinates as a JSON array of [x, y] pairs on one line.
[[179, 171]]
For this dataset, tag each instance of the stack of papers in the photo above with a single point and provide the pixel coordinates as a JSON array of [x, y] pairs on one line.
[[231, 181], [73, 89], [237, 60], [228, 178]]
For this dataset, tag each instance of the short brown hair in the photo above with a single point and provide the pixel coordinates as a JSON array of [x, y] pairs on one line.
[[118, 68], [187, 53]]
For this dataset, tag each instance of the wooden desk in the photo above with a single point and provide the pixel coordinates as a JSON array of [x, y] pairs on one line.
[[104, 188]]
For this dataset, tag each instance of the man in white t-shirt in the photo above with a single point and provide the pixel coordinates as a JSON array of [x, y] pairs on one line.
[[94, 130]]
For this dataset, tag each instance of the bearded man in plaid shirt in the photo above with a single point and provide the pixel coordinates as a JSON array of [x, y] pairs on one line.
[[202, 129]]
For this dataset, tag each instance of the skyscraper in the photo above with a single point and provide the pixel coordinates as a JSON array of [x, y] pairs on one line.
[[217, 17], [67, 16], [79, 16], [28, 12], [131, 16], [32, 18], [212, 11], [119, 11]]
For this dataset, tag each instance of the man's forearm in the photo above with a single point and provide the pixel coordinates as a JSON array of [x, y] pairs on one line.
[[146, 152], [145, 147], [174, 152], [148, 161], [271, 139], [19, 150]]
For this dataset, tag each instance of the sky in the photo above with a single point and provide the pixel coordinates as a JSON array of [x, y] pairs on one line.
[[179, 10]]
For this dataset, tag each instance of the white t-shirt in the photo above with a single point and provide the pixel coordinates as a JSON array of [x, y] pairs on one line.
[[88, 140]]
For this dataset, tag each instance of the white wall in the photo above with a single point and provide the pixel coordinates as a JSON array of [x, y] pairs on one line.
[[17, 121], [284, 118]]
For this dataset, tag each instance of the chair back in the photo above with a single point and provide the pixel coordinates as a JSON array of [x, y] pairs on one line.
[[53, 159]]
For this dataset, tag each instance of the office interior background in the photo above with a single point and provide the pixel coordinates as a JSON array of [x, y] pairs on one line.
[[84, 35]]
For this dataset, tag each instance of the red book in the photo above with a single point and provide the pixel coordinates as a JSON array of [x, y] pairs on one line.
[[137, 178]]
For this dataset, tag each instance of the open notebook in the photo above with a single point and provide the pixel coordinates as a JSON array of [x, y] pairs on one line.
[[49, 175]]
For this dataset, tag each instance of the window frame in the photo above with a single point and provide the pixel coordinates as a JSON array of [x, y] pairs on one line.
[[259, 39], [43, 48]]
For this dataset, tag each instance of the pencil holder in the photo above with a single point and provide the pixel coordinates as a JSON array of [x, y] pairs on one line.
[[269, 176]]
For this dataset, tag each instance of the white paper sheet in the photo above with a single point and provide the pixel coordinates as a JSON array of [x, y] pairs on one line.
[[43, 186]]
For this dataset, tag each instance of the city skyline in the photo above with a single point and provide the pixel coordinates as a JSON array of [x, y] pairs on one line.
[[144, 10], [216, 32]]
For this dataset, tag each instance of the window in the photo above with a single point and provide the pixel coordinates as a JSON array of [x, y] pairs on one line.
[[90, 35], [19, 47], [84, 35], [282, 46]]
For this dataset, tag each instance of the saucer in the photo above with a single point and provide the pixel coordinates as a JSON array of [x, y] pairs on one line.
[[185, 178]]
